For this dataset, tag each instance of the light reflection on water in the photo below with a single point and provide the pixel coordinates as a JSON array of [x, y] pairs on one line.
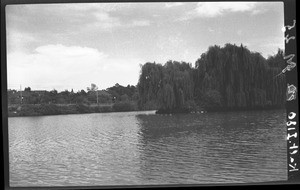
[[143, 148]]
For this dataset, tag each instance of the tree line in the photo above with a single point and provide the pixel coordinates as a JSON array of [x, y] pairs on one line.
[[117, 93], [224, 78]]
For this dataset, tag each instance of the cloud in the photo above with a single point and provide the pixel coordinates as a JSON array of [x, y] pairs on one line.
[[53, 65], [170, 43], [91, 6], [106, 22], [210, 29], [19, 40], [61, 51], [65, 67], [77, 8], [213, 9], [57, 19], [169, 5], [140, 23], [104, 19], [257, 11]]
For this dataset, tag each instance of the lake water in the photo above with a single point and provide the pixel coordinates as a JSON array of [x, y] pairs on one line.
[[141, 148]]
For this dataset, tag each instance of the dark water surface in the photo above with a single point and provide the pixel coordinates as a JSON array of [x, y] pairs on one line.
[[143, 148]]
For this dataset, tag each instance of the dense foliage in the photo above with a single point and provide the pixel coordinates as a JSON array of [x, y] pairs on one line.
[[168, 87], [225, 78], [31, 102], [111, 95], [232, 77]]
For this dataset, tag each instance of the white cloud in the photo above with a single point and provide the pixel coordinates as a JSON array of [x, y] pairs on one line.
[[91, 6], [61, 51], [169, 5], [210, 29], [80, 7], [65, 67], [18, 40], [104, 19], [53, 64], [257, 11], [140, 23], [213, 9], [171, 43], [106, 22]]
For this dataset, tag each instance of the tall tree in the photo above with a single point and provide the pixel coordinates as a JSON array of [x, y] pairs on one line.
[[94, 89], [238, 78], [169, 87]]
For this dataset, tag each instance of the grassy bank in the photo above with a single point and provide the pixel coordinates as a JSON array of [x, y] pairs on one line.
[[60, 109]]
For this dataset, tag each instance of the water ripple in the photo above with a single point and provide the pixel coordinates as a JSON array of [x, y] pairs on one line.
[[143, 148]]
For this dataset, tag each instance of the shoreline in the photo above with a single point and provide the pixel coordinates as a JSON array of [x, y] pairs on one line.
[[67, 109], [31, 110], [217, 110], [83, 113]]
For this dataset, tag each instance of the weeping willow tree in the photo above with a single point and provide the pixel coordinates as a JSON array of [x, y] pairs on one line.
[[176, 89], [149, 85], [168, 88], [233, 77]]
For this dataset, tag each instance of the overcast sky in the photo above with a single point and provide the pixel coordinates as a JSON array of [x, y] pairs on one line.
[[65, 46]]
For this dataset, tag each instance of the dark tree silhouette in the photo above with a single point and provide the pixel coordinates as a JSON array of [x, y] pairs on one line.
[[227, 78]]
